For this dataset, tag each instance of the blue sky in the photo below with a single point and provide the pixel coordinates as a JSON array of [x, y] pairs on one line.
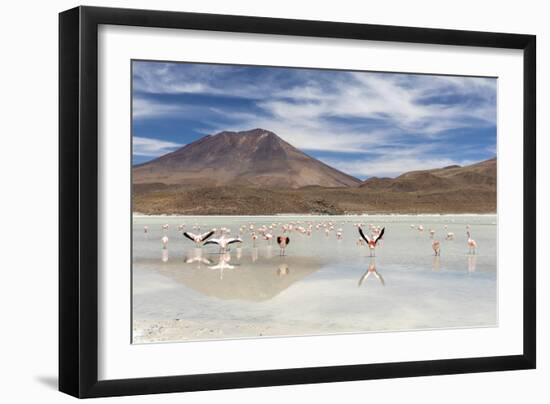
[[363, 123]]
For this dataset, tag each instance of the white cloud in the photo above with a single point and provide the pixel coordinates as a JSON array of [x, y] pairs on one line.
[[317, 111], [313, 118], [143, 146], [143, 108], [186, 78]]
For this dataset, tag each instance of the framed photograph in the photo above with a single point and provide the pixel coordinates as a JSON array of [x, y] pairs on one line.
[[251, 201]]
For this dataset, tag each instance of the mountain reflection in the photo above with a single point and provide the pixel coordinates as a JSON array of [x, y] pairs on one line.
[[250, 274]]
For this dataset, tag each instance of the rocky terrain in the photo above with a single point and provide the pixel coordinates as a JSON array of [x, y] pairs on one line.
[[257, 173]]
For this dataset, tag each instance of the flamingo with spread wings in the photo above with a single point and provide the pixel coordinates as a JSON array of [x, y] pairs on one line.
[[283, 241], [371, 243], [198, 239], [223, 242]]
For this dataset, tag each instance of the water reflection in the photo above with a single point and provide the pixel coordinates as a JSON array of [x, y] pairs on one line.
[[239, 253], [472, 263], [223, 264], [371, 271], [283, 269], [312, 290], [197, 257], [436, 263], [252, 278]]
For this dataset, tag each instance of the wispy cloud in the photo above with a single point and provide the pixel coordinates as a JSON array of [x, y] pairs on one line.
[[143, 146], [144, 108], [329, 111]]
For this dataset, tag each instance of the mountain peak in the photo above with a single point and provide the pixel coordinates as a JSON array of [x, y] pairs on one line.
[[249, 132], [255, 157]]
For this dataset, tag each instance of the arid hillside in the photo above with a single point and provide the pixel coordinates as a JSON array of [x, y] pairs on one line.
[[257, 173]]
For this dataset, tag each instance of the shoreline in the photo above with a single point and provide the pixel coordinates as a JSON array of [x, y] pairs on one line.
[[142, 215]]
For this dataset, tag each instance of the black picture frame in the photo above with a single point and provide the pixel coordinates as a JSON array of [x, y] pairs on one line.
[[78, 201]]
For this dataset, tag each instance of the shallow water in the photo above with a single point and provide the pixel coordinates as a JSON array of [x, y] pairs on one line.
[[321, 286]]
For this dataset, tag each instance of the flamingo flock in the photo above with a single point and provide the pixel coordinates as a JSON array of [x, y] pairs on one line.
[[449, 236], [370, 236]]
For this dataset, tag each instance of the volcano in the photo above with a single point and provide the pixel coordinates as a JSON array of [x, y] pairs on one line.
[[253, 158]]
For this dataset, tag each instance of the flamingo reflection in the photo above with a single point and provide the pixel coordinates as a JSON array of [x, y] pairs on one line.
[[283, 270], [436, 263], [472, 263], [268, 252], [238, 253], [223, 264], [371, 270], [198, 257]]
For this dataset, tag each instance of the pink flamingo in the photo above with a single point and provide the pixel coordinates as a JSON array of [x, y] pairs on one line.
[[223, 242], [198, 239], [472, 245], [371, 242], [436, 245], [283, 242]]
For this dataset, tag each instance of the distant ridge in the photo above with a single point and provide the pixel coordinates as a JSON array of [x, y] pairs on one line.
[[253, 158], [480, 175]]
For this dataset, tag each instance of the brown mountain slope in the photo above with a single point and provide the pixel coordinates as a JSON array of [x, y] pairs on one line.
[[184, 200], [470, 189], [254, 158], [257, 173], [481, 176]]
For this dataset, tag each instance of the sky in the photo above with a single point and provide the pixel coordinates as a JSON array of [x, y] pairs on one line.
[[363, 123]]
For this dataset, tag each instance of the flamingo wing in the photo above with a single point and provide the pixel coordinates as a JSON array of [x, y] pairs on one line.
[[365, 237], [190, 236], [213, 241], [207, 235], [234, 240], [380, 235], [287, 241]]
